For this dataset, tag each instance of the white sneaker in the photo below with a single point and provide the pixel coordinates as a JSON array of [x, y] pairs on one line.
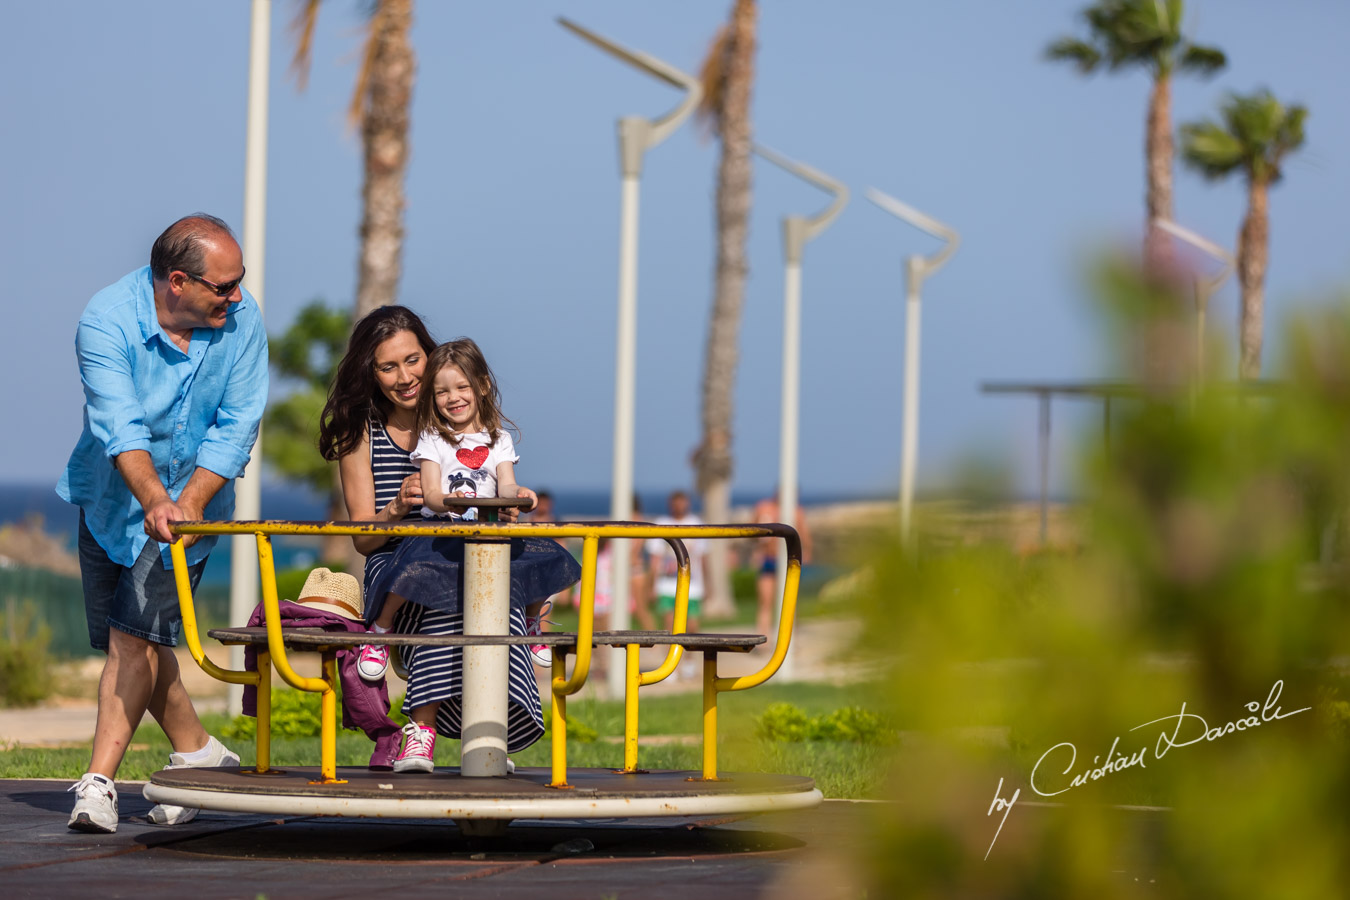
[[164, 814], [419, 750], [95, 805], [373, 662]]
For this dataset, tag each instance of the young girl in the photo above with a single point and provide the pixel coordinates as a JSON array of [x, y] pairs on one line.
[[463, 451]]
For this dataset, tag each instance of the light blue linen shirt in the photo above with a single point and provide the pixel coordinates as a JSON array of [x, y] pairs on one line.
[[198, 409]]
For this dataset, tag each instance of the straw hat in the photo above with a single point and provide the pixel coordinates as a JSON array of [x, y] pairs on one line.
[[335, 592]]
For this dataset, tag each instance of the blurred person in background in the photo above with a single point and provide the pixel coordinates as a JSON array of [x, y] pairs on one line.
[[765, 558], [666, 570]]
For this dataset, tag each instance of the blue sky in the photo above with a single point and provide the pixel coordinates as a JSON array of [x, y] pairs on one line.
[[120, 117]]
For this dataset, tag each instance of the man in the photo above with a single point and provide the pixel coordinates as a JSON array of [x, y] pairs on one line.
[[173, 360], [667, 570]]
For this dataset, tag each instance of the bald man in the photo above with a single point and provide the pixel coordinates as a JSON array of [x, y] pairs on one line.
[[173, 360]]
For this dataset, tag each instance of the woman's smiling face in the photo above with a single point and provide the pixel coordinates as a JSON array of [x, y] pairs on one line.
[[399, 363]]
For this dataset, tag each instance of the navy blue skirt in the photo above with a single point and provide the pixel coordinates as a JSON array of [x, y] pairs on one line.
[[430, 572]]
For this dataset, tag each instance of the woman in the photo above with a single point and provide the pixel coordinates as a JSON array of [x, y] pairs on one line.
[[369, 425]]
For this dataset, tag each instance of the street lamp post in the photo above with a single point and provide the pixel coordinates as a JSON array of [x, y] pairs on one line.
[[637, 135], [248, 490], [917, 268], [1204, 287], [797, 230]]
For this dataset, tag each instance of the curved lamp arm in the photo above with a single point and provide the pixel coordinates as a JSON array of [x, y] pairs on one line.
[[819, 222], [1205, 246], [923, 222], [662, 127]]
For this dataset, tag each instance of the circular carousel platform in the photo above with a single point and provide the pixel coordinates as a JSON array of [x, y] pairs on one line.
[[445, 794]]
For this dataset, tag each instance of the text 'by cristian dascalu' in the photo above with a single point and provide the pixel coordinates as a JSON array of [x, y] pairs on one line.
[[1186, 729]]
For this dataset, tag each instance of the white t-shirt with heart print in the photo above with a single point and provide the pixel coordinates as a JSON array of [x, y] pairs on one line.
[[470, 467]]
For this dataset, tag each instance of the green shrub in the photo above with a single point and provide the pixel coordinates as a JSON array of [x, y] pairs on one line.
[[25, 666], [851, 725], [577, 731], [786, 723], [295, 714], [783, 722]]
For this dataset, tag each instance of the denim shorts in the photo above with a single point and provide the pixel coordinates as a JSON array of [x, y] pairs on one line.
[[141, 601]]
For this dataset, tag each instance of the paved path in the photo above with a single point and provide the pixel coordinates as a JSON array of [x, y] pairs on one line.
[[231, 855]]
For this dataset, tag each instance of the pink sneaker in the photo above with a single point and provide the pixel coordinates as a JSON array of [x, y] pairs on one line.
[[373, 662], [419, 745], [541, 653]]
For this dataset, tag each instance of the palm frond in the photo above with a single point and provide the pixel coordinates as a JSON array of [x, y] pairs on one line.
[[1254, 119], [1202, 60], [1211, 149], [713, 74], [361, 89], [306, 17], [1082, 54], [1256, 132], [1290, 135]]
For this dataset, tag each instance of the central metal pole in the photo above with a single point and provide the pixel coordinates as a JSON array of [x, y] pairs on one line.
[[794, 240], [633, 134], [248, 488], [909, 437], [487, 611]]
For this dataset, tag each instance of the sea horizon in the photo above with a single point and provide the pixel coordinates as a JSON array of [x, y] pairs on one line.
[[19, 501]]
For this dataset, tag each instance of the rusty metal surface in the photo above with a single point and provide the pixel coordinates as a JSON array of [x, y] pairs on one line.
[[447, 784], [735, 643], [479, 529], [318, 640]]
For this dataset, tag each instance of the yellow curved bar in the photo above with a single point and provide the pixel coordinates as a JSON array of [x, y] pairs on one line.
[[190, 634], [590, 549], [785, 620], [263, 764], [677, 626], [559, 723], [634, 679], [276, 645], [328, 724], [547, 529]]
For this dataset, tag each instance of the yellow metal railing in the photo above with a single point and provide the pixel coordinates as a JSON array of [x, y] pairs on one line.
[[561, 686]]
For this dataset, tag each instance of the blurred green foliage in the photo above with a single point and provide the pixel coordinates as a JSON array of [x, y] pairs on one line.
[[25, 664], [306, 355], [1213, 565]]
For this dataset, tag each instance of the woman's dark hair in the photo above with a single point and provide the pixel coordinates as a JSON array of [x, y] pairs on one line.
[[463, 354], [354, 396]]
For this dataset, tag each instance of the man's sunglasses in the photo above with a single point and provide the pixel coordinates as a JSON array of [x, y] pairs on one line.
[[224, 289]]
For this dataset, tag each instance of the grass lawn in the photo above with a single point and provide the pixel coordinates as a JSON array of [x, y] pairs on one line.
[[840, 769]]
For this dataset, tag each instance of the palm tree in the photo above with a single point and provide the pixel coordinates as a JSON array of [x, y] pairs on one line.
[[727, 74], [1255, 135], [307, 354], [1146, 34], [381, 104]]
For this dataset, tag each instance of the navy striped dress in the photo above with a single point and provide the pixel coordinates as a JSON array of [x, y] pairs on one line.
[[434, 673]]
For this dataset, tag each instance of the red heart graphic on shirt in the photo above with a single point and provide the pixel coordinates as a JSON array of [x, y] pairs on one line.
[[472, 458]]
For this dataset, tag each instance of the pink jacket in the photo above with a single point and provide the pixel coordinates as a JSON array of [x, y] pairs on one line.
[[364, 706]]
